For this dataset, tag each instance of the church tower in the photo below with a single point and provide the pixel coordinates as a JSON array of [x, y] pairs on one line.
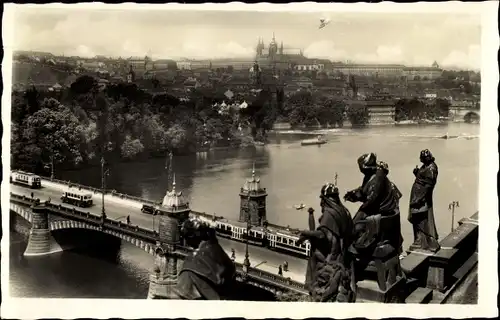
[[256, 74], [273, 48], [253, 202], [259, 51], [131, 75]]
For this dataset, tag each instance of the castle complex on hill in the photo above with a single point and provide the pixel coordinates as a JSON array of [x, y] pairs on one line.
[[273, 56]]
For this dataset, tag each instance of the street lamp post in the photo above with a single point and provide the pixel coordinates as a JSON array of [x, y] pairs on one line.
[[103, 175], [154, 213], [52, 167], [246, 262], [451, 207]]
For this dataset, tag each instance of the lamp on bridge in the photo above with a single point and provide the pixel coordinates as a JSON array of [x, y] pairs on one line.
[[52, 166], [246, 262], [103, 185]]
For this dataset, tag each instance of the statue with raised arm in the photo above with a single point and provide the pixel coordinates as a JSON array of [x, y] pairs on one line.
[[421, 212], [329, 275], [207, 273], [377, 224]]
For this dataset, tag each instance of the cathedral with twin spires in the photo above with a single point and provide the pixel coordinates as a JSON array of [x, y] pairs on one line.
[[274, 52]]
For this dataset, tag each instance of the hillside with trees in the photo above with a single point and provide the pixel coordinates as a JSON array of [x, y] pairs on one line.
[[415, 109], [78, 125]]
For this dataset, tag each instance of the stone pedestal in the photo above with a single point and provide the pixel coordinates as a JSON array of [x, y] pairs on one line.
[[420, 296], [383, 279], [416, 248], [416, 267], [442, 266], [162, 287], [455, 250], [388, 269], [369, 290]]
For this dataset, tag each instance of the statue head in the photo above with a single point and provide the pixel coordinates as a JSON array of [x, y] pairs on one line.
[[196, 230], [384, 167], [329, 191], [426, 156], [367, 163]]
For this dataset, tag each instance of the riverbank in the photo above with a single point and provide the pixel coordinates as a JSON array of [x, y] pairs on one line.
[[287, 126]]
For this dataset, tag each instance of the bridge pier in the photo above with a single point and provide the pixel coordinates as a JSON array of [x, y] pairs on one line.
[[40, 240], [164, 277]]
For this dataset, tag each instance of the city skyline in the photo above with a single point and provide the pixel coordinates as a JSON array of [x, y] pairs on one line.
[[409, 39]]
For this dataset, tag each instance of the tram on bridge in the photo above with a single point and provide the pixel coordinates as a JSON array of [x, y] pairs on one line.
[[25, 179], [77, 197], [277, 240]]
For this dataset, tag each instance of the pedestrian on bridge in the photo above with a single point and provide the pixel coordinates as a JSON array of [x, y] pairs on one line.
[[32, 195], [285, 266], [280, 271], [233, 255], [128, 219]]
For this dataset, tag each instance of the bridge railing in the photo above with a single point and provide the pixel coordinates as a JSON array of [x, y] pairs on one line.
[[99, 190], [73, 214], [286, 282], [142, 200], [273, 279], [22, 199], [88, 217], [132, 230]]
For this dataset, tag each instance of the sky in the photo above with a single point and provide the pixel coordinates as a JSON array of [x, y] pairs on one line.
[[451, 39]]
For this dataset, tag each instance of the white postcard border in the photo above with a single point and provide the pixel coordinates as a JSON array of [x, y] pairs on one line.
[[488, 202]]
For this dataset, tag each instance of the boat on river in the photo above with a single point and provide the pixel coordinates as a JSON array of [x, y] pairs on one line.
[[300, 206], [310, 142]]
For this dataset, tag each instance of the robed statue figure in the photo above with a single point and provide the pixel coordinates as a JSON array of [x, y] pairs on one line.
[[421, 212], [207, 273], [377, 223], [329, 275]]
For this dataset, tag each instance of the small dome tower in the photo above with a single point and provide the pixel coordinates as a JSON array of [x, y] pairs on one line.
[[253, 201]]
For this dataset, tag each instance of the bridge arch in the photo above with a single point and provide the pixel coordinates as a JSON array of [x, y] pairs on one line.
[[471, 116], [55, 225]]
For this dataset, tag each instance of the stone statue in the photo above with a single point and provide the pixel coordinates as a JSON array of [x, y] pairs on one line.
[[207, 273], [329, 276], [421, 213], [377, 224]]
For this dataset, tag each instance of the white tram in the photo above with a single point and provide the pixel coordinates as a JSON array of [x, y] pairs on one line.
[[26, 179], [271, 239], [77, 197]]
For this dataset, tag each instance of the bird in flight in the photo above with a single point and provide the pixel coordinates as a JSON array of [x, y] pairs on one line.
[[323, 22]]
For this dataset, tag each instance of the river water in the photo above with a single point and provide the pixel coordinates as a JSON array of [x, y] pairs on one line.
[[292, 175]]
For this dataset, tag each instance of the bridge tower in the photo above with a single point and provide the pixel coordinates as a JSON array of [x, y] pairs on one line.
[[253, 201], [40, 240], [173, 211]]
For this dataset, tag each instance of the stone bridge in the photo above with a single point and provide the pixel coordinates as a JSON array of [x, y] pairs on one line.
[[47, 217], [43, 243], [464, 113]]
